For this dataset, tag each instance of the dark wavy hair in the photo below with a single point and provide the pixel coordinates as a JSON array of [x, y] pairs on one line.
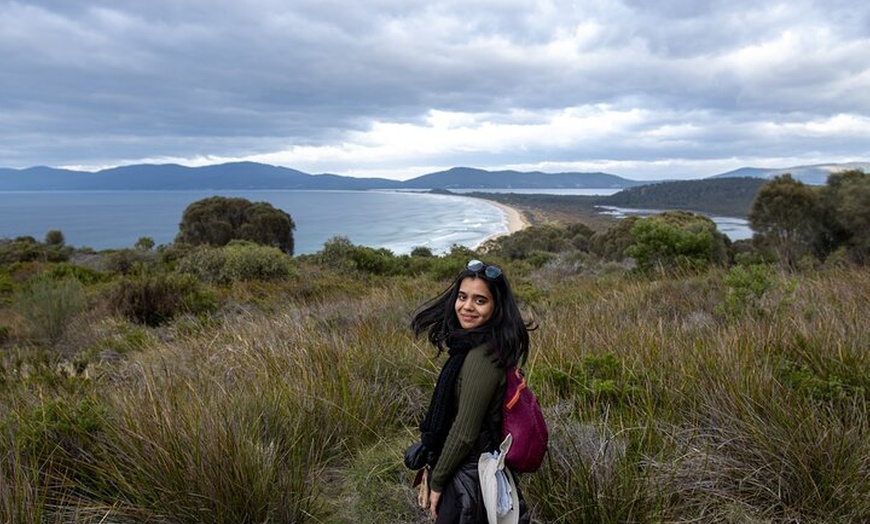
[[507, 331]]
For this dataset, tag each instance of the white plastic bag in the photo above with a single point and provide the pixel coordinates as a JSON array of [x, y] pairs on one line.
[[498, 487]]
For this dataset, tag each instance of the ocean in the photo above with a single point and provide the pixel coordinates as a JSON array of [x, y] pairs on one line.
[[398, 221], [395, 220]]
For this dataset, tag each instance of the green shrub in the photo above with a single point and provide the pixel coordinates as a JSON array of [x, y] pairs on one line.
[[677, 241], [536, 239], [144, 244], [805, 380], [27, 249], [155, 299], [54, 439], [54, 237], [376, 261], [538, 258], [745, 290], [612, 243], [422, 251], [336, 253], [129, 261], [217, 220], [804, 365], [83, 274], [238, 261], [6, 286], [60, 424], [339, 253], [594, 379], [48, 305]]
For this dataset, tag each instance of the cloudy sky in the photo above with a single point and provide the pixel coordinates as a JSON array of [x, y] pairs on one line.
[[398, 88]]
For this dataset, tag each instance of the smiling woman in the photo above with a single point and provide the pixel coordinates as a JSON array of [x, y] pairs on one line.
[[473, 303], [478, 322]]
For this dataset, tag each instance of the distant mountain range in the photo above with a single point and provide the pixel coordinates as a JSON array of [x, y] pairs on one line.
[[250, 175], [814, 175]]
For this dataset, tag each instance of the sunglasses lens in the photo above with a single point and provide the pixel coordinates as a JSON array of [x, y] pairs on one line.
[[488, 271], [474, 265]]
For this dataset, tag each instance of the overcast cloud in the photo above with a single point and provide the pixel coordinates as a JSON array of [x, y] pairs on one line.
[[396, 88]]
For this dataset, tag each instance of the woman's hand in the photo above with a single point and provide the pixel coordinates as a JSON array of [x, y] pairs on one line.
[[433, 504]]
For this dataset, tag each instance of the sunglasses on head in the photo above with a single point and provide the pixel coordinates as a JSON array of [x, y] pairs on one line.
[[477, 266]]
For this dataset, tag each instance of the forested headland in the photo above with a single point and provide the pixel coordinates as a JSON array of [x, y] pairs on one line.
[[718, 196], [223, 379], [731, 197]]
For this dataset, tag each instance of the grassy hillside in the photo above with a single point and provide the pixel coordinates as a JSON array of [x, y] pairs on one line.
[[735, 395]]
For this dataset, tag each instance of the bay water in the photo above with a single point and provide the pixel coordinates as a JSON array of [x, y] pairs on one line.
[[398, 221]]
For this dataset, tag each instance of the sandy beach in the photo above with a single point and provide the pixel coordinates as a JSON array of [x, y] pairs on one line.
[[515, 221]]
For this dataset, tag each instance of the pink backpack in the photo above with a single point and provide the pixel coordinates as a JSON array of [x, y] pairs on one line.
[[523, 419]]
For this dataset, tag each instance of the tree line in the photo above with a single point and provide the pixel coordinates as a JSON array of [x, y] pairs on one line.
[[720, 196], [794, 221]]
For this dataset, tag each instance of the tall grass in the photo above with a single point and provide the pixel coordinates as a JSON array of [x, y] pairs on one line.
[[668, 402], [718, 424], [48, 306]]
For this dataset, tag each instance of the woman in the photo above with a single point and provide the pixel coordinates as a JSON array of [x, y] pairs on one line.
[[478, 321]]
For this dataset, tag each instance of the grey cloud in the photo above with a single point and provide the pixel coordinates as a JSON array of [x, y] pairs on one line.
[[105, 80]]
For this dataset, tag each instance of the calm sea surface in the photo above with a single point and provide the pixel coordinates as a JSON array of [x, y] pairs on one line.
[[393, 220], [398, 221]]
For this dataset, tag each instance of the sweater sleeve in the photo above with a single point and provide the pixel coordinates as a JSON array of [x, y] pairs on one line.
[[478, 382]]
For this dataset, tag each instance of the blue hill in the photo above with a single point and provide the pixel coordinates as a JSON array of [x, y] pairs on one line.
[[250, 175], [814, 174]]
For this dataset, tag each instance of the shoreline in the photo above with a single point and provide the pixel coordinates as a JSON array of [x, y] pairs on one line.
[[515, 220]]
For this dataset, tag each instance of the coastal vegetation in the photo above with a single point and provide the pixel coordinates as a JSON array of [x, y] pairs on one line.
[[215, 221], [731, 197], [685, 378]]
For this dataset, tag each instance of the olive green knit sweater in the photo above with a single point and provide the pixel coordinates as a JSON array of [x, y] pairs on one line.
[[478, 398]]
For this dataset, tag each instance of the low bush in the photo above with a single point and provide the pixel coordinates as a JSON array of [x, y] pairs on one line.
[[48, 306], [535, 239], [85, 275], [153, 300], [749, 290], [340, 253], [677, 241], [129, 261], [238, 261], [27, 249], [611, 243]]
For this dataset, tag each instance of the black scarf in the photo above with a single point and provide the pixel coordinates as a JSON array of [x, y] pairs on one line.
[[439, 417]]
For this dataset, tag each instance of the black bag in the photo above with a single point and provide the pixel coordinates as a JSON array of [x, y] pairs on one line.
[[416, 456]]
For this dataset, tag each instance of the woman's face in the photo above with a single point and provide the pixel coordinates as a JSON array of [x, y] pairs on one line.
[[474, 304]]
